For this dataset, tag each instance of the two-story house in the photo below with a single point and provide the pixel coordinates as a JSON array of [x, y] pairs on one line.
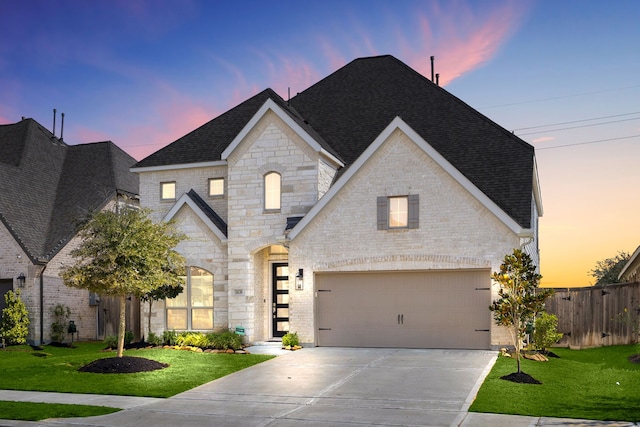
[[368, 210], [47, 188]]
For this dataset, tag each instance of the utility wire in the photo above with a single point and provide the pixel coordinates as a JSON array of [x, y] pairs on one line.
[[558, 97], [589, 142], [577, 121], [578, 127]]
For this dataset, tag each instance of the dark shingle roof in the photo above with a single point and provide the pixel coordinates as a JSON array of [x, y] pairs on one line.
[[347, 110], [208, 211], [50, 186], [352, 106], [206, 143]]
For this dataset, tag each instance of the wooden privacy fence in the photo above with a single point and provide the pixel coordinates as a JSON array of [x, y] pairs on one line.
[[597, 316]]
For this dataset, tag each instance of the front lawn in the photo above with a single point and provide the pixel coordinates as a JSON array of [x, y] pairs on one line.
[[596, 384], [56, 369], [33, 411]]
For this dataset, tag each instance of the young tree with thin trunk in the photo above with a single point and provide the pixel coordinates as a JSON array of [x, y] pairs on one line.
[[520, 298], [163, 292], [125, 254]]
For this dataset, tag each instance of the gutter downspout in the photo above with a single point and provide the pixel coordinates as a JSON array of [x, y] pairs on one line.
[[44, 267]]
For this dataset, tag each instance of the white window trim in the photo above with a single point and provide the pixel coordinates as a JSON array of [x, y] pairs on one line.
[[264, 179], [224, 189], [189, 307], [162, 184]]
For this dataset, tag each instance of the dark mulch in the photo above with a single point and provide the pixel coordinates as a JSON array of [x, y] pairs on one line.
[[634, 358], [520, 377], [122, 365]]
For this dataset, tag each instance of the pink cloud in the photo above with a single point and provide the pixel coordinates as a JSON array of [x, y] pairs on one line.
[[465, 41], [543, 139], [171, 116]]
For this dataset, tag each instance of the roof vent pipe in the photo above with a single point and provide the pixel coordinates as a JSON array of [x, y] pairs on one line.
[[438, 79], [61, 126], [432, 59], [54, 122]]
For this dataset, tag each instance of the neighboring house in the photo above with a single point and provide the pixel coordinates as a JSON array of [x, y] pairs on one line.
[[631, 271], [46, 188], [368, 210]]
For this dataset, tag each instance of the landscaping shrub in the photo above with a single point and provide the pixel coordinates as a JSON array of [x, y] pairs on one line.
[[154, 339], [61, 314], [546, 333], [170, 337], [14, 327], [224, 340], [128, 337], [290, 339], [193, 339], [111, 341]]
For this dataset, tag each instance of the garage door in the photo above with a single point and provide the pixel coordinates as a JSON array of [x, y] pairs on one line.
[[417, 309]]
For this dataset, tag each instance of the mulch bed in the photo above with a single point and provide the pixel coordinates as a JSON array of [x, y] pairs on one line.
[[122, 365], [520, 377]]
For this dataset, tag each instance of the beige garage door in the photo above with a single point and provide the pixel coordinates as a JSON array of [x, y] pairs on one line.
[[417, 309]]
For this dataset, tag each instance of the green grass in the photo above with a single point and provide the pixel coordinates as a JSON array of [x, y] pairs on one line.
[[56, 369], [579, 384], [31, 411]]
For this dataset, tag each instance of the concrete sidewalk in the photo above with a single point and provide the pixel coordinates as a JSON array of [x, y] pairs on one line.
[[321, 387]]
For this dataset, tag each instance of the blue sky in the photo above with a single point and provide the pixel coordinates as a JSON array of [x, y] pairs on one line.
[[143, 73]]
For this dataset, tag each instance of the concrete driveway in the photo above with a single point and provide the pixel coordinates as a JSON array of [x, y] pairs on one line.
[[325, 387]]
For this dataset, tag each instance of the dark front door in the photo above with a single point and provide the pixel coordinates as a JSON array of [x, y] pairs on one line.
[[280, 298]]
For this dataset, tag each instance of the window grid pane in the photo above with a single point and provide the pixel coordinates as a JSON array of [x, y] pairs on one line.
[[398, 212], [168, 190], [193, 308], [272, 191], [216, 187], [177, 318]]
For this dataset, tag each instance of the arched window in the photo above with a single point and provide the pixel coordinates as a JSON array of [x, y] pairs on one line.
[[193, 308], [272, 191]]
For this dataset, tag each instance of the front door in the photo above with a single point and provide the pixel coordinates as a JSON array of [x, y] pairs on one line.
[[280, 298]]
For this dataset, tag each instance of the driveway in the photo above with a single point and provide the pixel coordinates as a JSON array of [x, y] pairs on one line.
[[325, 387]]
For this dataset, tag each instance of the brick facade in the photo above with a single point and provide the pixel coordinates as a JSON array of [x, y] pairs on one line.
[[14, 261]]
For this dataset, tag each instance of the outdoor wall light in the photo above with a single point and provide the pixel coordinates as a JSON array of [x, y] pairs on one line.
[[300, 280], [21, 280]]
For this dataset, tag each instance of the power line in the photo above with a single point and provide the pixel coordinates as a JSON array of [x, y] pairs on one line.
[[559, 97], [579, 127], [577, 121], [588, 142]]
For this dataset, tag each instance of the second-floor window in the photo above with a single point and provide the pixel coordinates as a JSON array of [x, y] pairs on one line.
[[272, 191], [396, 212], [168, 190], [216, 187]]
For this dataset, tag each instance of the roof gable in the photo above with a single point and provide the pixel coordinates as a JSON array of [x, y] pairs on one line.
[[398, 123], [272, 106], [352, 106], [347, 110], [202, 210]]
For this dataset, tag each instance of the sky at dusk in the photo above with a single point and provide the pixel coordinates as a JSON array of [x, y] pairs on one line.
[[563, 75]]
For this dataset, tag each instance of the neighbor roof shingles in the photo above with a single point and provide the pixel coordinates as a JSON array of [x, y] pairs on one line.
[[54, 185]]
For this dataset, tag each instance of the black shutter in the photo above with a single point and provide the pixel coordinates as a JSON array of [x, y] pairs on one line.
[[383, 213], [414, 211]]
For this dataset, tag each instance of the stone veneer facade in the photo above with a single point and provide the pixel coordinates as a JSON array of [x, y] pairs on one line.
[[456, 230]]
